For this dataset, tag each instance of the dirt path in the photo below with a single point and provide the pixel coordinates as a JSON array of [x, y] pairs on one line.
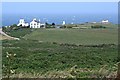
[[5, 36]]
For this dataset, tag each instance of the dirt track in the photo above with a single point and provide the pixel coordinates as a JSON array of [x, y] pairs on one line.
[[5, 36]]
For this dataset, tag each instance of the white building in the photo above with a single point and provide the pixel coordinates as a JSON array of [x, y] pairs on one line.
[[22, 23], [105, 21], [36, 24], [63, 23], [72, 23]]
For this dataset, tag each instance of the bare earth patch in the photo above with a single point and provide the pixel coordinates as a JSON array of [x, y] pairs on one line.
[[4, 36]]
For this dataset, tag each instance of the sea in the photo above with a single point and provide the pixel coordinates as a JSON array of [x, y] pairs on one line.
[[9, 19]]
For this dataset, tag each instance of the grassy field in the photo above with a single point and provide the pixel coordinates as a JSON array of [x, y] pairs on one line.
[[18, 33], [62, 53], [88, 25], [41, 59], [75, 36], [89, 36], [0, 59]]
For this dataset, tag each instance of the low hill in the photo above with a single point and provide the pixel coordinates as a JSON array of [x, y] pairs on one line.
[[81, 35], [75, 36]]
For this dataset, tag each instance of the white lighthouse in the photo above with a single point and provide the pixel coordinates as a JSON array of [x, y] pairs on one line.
[[63, 23]]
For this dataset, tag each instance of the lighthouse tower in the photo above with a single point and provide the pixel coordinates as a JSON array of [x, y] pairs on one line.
[[63, 23]]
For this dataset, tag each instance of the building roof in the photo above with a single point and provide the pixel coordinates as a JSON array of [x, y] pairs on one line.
[[35, 20]]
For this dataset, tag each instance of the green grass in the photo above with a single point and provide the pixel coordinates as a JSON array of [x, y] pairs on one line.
[[88, 25], [75, 36], [54, 52], [0, 59], [109, 35], [41, 57], [18, 33]]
